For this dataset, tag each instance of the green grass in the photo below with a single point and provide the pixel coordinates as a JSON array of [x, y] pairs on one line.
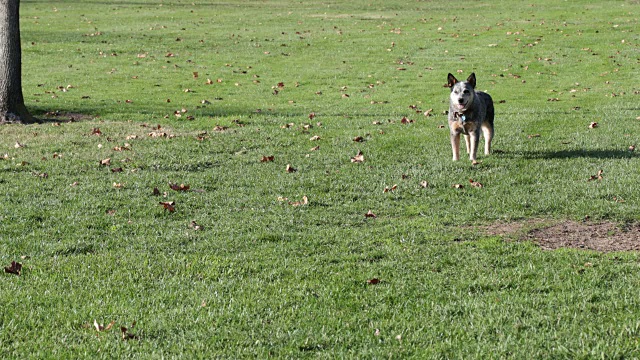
[[264, 278]]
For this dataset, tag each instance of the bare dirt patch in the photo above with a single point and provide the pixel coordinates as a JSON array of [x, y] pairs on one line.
[[599, 236], [57, 116]]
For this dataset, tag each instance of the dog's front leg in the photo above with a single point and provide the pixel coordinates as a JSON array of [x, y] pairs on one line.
[[455, 146], [467, 140], [475, 141]]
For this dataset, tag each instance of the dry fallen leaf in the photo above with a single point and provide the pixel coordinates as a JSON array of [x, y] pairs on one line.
[[14, 268], [118, 185], [100, 327], [168, 205], [267, 158], [105, 162], [126, 335], [315, 148], [358, 139], [314, 138], [457, 186], [305, 201], [475, 183], [370, 214], [291, 169], [632, 148], [373, 281], [424, 184], [593, 125], [19, 145], [96, 131], [156, 192], [358, 158], [115, 170], [598, 176], [195, 225], [181, 187], [393, 188]]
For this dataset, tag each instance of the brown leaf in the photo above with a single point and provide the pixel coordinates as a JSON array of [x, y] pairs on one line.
[[168, 205], [305, 201], [424, 184], [315, 148], [100, 327], [475, 183], [312, 115], [358, 158], [373, 281], [14, 268], [632, 148], [370, 214], [156, 192], [96, 131], [291, 169], [126, 335], [19, 145], [393, 188], [267, 158], [598, 176], [106, 162], [181, 187], [116, 170], [358, 139], [118, 185], [457, 186], [195, 225], [593, 125], [314, 138]]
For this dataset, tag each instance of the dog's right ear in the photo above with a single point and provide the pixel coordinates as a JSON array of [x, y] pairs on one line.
[[451, 80]]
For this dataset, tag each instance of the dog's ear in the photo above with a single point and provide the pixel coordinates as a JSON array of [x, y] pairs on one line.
[[451, 80], [472, 80]]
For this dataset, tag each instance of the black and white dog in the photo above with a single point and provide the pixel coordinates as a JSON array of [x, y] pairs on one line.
[[469, 111]]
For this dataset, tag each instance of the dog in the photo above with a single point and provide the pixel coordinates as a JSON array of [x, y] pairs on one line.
[[469, 112]]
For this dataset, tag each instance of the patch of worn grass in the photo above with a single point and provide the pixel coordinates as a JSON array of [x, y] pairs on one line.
[[263, 277]]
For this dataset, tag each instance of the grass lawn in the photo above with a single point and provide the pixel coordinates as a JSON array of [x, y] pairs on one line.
[[251, 259]]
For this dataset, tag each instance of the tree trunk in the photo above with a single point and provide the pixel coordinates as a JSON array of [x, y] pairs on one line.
[[12, 107]]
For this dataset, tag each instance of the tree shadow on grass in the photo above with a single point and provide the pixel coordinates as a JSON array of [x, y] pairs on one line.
[[574, 154]]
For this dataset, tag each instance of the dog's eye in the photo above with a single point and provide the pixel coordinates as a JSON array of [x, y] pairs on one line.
[[466, 91]]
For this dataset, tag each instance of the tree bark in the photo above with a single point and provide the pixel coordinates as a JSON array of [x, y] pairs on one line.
[[12, 108]]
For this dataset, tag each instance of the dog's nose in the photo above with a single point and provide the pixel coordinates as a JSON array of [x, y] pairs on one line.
[[460, 101]]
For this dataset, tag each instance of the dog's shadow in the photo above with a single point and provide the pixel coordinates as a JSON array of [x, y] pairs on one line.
[[571, 154]]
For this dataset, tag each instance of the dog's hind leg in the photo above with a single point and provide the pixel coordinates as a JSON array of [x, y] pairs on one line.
[[487, 132]]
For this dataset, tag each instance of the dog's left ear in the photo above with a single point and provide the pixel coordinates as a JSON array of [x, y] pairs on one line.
[[472, 80]]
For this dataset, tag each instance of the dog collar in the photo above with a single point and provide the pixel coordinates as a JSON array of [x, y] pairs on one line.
[[461, 116]]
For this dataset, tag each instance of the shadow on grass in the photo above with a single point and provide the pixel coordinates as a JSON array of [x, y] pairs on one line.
[[573, 154]]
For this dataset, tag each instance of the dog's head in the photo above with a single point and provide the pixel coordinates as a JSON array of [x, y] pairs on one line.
[[462, 92]]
